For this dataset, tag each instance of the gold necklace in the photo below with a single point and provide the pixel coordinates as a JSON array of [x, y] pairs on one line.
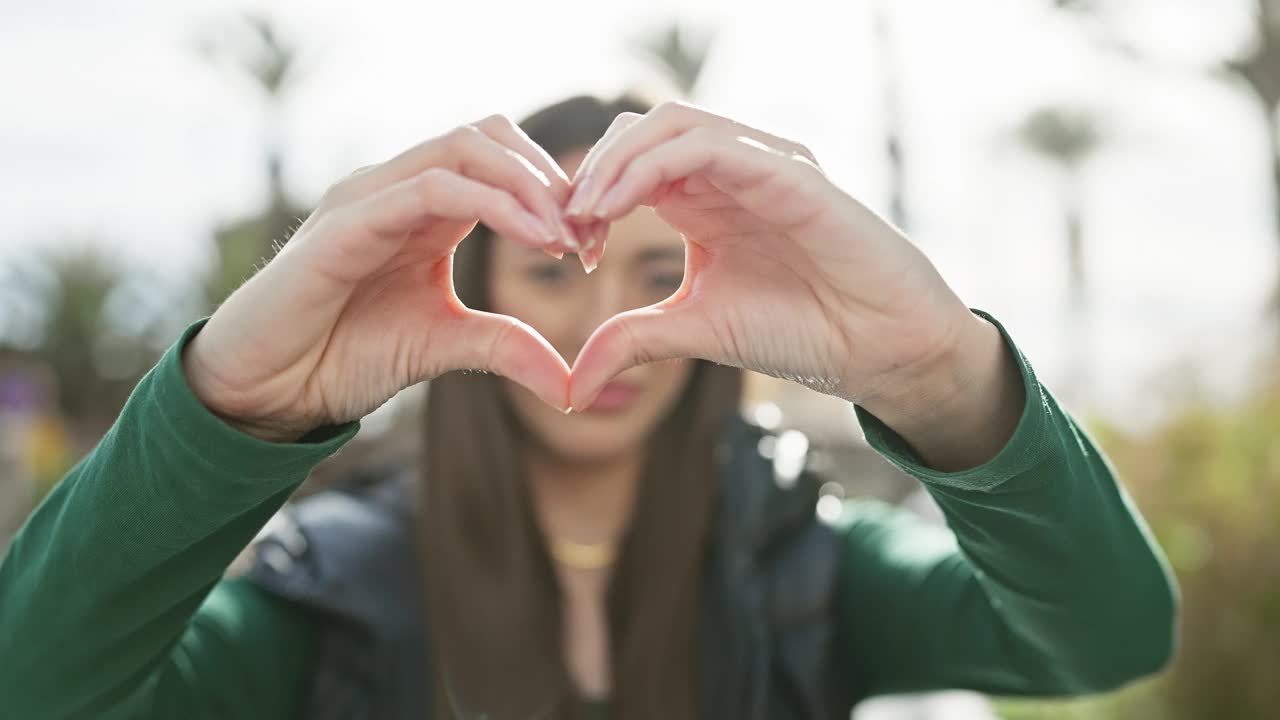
[[582, 556]]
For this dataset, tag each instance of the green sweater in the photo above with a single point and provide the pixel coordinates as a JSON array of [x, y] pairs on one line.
[[113, 602]]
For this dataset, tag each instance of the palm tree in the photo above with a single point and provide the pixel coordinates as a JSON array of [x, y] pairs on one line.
[[890, 91], [1259, 70], [681, 59], [1067, 138], [258, 52]]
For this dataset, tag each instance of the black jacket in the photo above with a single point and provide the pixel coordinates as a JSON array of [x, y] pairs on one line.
[[766, 628]]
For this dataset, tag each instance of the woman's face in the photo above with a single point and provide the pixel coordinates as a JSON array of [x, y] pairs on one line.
[[643, 265]]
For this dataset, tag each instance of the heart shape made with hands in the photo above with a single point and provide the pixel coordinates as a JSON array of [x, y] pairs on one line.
[[784, 273], [686, 324], [598, 361]]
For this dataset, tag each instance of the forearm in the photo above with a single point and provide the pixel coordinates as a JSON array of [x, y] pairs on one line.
[[105, 575], [1062, 589], [958, 412]]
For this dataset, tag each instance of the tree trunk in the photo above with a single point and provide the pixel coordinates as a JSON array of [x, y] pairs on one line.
[[891, 81], [1077, 278], [1273, 145], [1079, 333]]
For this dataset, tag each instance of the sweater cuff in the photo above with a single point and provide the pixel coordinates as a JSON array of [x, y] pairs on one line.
[[213, 441], [1026, 448]]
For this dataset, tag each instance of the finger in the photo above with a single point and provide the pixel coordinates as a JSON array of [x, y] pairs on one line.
[[436, 193], [576, 206], [503, 345], [621, 122], [594, 237], [479, 156], [510, 135], [431, 152], [663, 123], [636, 337], [470, 150], [749, 171]]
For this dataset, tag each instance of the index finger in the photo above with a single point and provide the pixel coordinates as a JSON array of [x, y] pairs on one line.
[[427, 153], [506, 132], [610, 157]]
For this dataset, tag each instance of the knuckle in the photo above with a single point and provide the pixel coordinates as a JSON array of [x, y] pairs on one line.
[[641, 167], [461, 138], [348, 188], [507, 203], [622, 121], [668, 107], [345, 222], [676, 110], [494, 122], [806, 169], [339, 193], [702, 133], [703, 138], [625, 334], [502, 335], [429, 181], [803, 151], [500, 202]]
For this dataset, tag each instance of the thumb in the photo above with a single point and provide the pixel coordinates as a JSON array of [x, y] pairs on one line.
[[505, 346], [629, 339]]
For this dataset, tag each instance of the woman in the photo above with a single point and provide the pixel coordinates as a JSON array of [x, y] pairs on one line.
[[632, 557]]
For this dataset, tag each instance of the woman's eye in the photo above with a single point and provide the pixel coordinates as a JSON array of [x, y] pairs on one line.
[[547, 273]]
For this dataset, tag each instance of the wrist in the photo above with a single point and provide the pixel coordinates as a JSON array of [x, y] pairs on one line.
[[205, 390], [958, 410]]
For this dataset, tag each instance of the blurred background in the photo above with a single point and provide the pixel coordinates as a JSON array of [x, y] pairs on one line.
[[1104, 177]]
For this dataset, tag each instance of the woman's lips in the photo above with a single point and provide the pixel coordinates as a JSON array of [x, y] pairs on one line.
[[615, 397]]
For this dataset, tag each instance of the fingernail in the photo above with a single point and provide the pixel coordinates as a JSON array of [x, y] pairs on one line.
[[589, 262], [568, 238], [568, 410], [554, 253]]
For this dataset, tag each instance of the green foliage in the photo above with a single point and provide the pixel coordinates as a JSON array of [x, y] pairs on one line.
[[246, 244], [1146, 700], [58, 304], [257, 48], [681, 58], [261, 53], [1064, 135]]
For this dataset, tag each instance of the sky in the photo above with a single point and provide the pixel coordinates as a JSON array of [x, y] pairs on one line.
[[115, 131]]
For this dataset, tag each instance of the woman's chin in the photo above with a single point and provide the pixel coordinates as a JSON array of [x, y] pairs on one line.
[[589, 439]]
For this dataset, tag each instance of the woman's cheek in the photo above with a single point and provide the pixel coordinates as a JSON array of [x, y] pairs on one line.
[[671, 378]]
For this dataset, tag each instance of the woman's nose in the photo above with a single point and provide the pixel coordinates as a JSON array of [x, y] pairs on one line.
[[605, 297]]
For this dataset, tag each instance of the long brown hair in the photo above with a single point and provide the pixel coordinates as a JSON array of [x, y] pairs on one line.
[[493, 601]]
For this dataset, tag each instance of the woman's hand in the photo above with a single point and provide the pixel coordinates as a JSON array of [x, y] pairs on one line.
[[785, 275], [360, 304]]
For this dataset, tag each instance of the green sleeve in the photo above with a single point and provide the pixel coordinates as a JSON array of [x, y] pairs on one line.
[[106, 609], [1047, 581]]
